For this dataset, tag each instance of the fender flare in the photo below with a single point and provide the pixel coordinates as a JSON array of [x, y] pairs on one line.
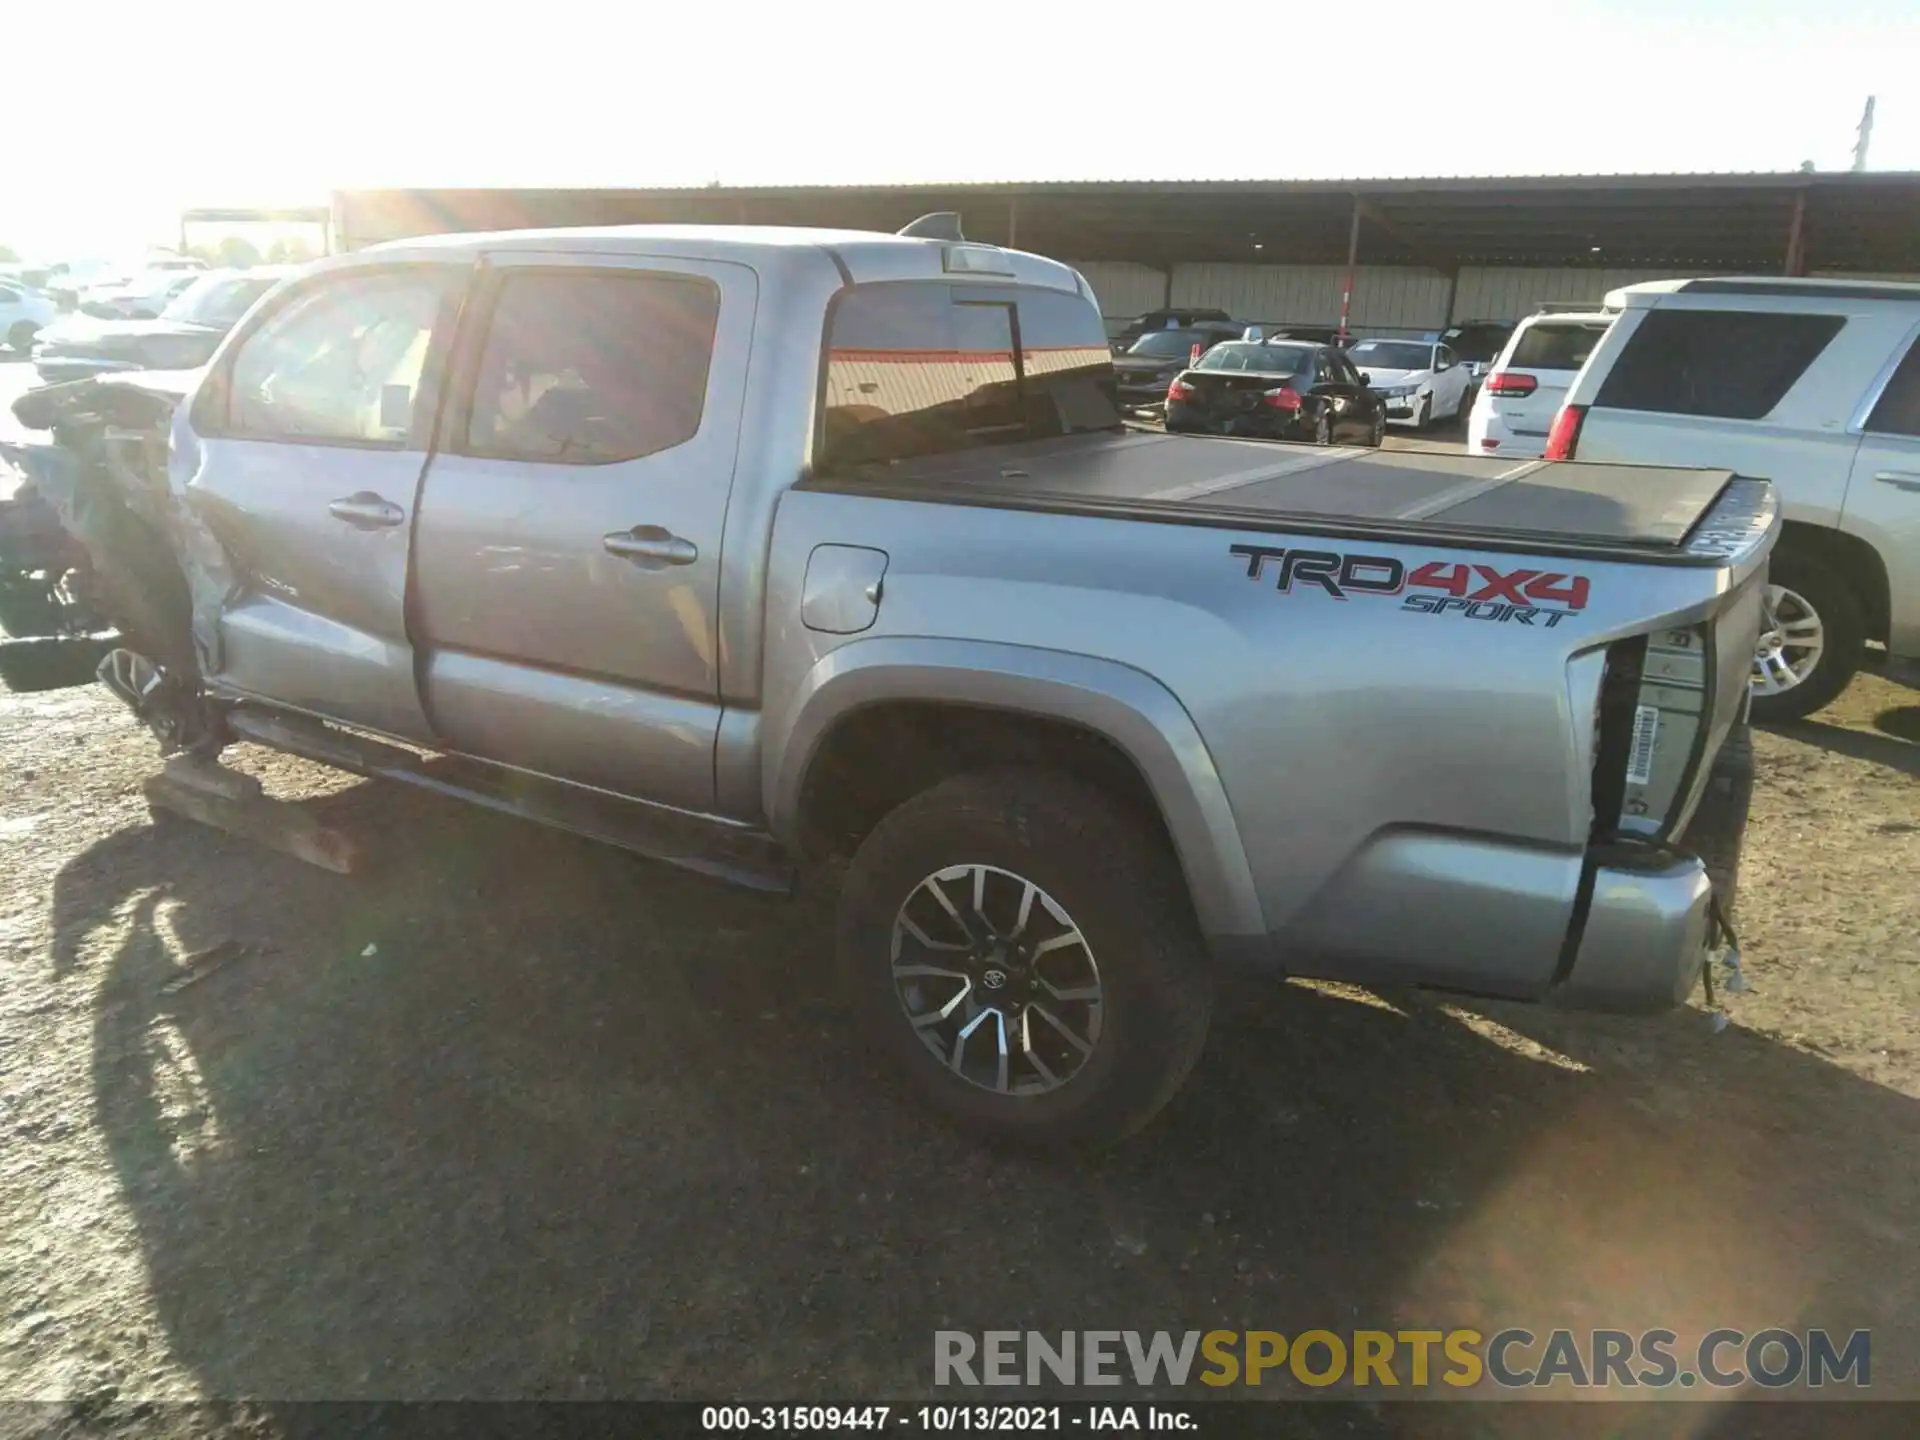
[[1125, 706]]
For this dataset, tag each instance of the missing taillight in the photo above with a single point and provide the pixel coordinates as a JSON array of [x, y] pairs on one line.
[[1613, 722], [1651, 722]]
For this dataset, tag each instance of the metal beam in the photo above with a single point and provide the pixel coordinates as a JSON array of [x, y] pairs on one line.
[[1797, 237], [1415, 247], [1353, 261]]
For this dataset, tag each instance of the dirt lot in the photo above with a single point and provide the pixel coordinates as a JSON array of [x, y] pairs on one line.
[[514, 1115]]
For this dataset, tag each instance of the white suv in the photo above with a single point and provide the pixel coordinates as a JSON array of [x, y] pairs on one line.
[[1812, 384], [1527, 381]]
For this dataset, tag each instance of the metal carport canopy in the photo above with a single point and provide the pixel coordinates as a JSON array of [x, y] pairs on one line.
[[1723, 222]]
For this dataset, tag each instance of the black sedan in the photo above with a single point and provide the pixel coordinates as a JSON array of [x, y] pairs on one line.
[[1146, 367], [1276, 390]]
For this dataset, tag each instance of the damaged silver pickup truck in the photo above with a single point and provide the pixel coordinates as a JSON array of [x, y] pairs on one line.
[[746, 548]]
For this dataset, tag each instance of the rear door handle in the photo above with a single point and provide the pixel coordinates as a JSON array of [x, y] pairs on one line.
[[365, 510], [651, 547], [1901, 479]]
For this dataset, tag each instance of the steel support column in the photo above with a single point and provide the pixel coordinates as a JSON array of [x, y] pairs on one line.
[[1353, 260]]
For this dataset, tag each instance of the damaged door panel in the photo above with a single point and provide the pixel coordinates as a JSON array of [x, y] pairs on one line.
[[303, 460]]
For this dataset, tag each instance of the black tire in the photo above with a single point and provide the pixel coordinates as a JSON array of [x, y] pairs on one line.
[[1113, 874], [1845, 630], [1377, 436], [1423, 416], [21, 337], [1719, 825]]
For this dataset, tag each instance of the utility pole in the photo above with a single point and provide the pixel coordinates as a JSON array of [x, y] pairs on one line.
[[1866, 134]]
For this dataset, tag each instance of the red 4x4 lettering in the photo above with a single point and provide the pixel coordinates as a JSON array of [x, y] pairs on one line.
[[1503, 587], [1442, 575], [1572, 594], [1518, 587]]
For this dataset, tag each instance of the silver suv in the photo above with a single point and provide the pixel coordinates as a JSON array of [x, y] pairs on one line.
[[1813, 384]]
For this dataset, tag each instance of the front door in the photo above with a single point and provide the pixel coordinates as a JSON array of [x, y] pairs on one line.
[[310, 439], [1883, 496], [1348, 400], [567, 557]]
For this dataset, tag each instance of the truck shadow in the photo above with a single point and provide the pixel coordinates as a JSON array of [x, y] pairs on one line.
[[1895, 747], [518, 1116]]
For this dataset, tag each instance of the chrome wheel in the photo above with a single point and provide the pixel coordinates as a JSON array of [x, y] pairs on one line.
[[1791, 641], [996, 979]]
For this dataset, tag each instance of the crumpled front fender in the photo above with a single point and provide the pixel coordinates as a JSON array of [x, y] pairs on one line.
[[162, 577]]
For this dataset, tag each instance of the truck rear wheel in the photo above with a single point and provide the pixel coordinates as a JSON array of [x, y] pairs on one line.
[[1022, 950], [1812, 643]]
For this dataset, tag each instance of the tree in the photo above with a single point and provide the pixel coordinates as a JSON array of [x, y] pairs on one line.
[[289, 250], [237, 253], [8, 256]]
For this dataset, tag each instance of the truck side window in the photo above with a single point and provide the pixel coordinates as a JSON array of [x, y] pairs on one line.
[[1897, 412], [341, 362], [594, 367]]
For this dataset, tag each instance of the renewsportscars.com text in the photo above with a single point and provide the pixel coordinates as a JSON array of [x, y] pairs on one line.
[[1415, 1359]]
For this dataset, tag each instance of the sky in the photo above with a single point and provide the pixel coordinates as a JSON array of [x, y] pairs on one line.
[[242, 104]]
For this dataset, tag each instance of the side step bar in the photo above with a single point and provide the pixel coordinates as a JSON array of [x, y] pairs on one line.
[[701, 843]]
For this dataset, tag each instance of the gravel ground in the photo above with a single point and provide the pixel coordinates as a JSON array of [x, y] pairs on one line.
[[516, 1116]]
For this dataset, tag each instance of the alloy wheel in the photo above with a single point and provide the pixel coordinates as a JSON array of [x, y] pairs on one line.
[[997, 979], [1791, 641]]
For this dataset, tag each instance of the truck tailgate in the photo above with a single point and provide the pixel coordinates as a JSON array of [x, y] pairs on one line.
[[1646, 509]]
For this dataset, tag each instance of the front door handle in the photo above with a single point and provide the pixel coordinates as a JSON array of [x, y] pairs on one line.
[[651, 546], [1900, 479], [365, 510]]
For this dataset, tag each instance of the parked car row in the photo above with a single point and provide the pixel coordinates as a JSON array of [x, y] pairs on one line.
[[184, 335], [1279, 379]]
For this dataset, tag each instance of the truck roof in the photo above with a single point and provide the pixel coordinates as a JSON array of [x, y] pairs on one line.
[[866, 255]]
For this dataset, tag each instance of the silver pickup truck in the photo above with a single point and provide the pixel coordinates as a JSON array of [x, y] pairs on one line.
[[750, 548]]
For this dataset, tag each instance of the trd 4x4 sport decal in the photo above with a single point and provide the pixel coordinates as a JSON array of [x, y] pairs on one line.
[[1445, 587]]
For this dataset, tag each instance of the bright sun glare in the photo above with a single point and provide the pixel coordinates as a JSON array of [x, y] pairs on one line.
[[237, 105]]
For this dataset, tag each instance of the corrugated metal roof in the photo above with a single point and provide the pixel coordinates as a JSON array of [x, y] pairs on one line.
[[1698, 223]]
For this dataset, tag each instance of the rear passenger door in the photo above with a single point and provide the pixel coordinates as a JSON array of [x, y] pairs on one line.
[[567, 554], [1883, 496]]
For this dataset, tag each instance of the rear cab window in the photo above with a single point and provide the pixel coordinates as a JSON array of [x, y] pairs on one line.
[[1555, 345], [1729, 364], [919, 368]]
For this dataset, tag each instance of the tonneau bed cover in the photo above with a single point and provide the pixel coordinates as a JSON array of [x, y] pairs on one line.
[[1646, 509]]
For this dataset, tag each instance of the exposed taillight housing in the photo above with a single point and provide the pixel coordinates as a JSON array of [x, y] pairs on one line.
[[1179, 389], [1564, 438], [1654, 713], [1285, 398], [1511, 382]]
